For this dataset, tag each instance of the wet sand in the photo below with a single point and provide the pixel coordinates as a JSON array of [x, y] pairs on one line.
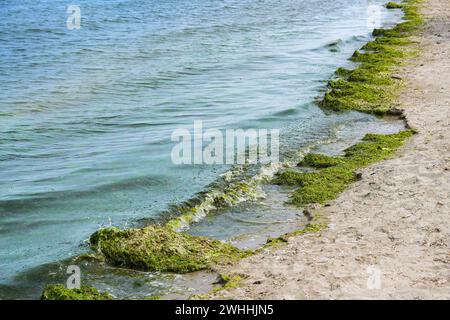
[[388, 234]]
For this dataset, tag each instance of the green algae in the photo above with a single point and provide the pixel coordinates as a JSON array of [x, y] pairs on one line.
[[60, 292], [319, 161], [192, 210], [158, 248], [226, 281], [334, 174], [167, 249], [322, 186], [394, 5], [317, 224], [371, 87], [186, 217], [310, 228], [230, 281]]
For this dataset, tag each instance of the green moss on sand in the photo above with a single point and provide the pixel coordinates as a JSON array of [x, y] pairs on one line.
[[230, 281], [336, 173], [226, 281], [371, 87], [157, 248], [313, 227], [60, 292]]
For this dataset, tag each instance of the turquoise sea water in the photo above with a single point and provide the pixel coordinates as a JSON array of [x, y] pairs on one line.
[[86, 115]]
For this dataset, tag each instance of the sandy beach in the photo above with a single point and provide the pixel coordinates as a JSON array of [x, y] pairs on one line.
[[388, 234]]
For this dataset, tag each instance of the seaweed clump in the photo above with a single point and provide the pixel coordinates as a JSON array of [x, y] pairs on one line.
[[393, 5], [158, 248], [317, 160], [372, 87], [60, 292], [334, 174]]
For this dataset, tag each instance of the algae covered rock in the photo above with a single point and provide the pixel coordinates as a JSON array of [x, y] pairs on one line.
[[60, 292], [157, 248]]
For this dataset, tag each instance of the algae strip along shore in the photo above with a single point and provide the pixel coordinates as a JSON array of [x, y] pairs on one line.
[[371, 87], [334, 174]]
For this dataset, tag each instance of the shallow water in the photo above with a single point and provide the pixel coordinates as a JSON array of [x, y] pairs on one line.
[[253, 222], [86, 115]]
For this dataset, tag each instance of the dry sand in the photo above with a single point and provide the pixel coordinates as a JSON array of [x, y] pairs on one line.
[[388, 235]]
